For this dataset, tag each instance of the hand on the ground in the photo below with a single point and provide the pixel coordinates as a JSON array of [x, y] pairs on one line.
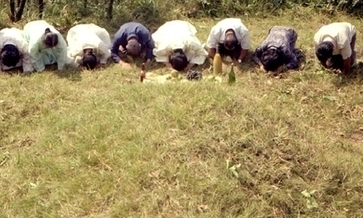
[[236, 63], [336, 71]]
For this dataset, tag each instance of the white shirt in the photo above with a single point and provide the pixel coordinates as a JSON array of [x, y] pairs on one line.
[[178, 34], [217, 33], [15, 37], [340, 34], [84, 36], [39, 54]]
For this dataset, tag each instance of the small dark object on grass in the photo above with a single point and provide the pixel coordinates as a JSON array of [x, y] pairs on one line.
[[194, 75]]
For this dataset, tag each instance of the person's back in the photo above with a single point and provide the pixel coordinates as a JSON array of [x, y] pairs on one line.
[[88, 34], [82, 37], [102, 33], [176, 28], [230, 23], [339, 33], [10, 34], [281, 36]]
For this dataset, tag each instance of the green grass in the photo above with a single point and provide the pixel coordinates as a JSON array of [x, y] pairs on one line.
[[102, 144]]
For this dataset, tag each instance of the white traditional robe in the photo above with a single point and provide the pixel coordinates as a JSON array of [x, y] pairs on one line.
[[178, 34], [218, 33], [40, 55], [88, 36], [14, 36]]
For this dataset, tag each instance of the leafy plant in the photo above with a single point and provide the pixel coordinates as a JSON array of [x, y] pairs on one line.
[[310, 200]]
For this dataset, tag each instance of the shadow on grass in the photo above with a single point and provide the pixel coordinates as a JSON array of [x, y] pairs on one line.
[[161, 68], [15, 71], [69, 73], [72, 75], [137, 62]]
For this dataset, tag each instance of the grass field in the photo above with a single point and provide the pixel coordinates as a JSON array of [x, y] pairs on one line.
[[101, 144]]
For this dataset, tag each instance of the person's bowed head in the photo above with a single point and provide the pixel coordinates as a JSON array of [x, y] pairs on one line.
[[10, 55], [50, 39], [89, 60], [230, 42], [178, 60], [324, 53], [272, 59], [133, 48]]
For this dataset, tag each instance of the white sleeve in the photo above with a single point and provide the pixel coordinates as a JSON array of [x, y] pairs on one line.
[[104, 45], [192, 29], [196, 53], [213, 38], [35, 55], [162, 49], [60, 51], [343, 42], [161, 53], [105, 37], [245, 39], [104, 52], [25, 56]]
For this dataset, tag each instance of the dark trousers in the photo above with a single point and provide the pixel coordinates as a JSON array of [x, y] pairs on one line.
[[234, 54], [337, 60]]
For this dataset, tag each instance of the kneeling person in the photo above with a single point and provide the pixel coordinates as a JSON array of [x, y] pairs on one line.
[[177, 46], [14, 50], [88, 45], [46, 45], [132, 39], [334, 46], [231, 38], [278, 49]]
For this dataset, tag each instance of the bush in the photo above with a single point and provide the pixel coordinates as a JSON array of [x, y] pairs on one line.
[[155, 12]]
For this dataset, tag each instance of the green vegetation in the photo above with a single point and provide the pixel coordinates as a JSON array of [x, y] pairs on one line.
[[155, 12], [101, 144]]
